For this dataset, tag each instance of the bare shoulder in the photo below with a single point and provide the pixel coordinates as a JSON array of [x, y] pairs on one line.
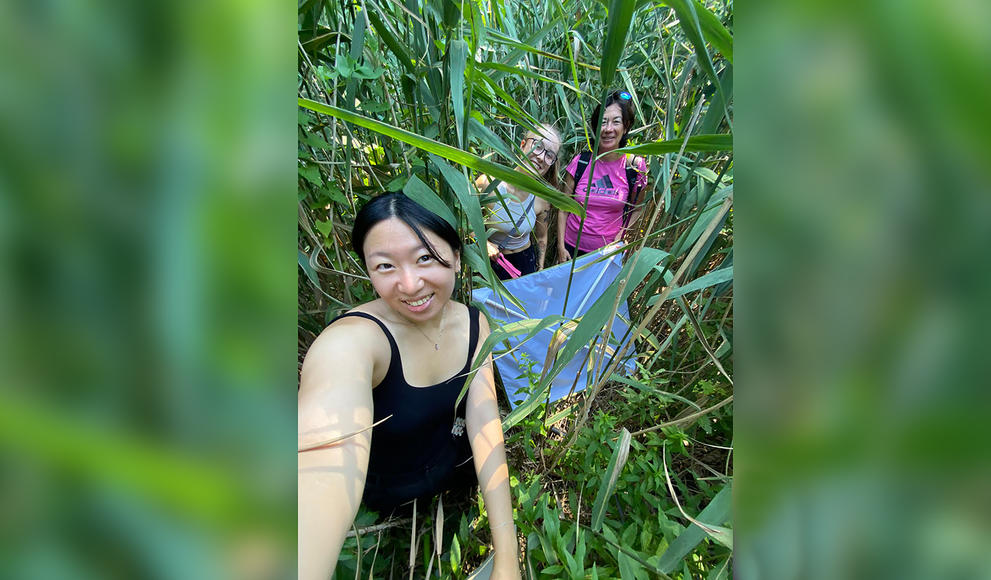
[[336, 381], [347, 349]]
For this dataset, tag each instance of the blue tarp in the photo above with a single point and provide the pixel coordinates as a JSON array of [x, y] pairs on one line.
[[542, 294]]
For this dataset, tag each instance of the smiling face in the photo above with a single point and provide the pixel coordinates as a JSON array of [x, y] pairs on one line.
[[612, 129], [541, 150], [404, 274]]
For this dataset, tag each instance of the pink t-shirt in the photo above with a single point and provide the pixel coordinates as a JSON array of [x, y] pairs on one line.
[[604, 207]]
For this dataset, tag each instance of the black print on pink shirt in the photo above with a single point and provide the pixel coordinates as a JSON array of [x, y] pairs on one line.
[[604, 186]]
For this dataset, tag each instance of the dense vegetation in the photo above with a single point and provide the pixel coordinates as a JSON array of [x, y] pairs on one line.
[[632, 477]]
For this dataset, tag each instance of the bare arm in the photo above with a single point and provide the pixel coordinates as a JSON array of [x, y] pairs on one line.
[[543, 210], [487, 445], [562, 221], [335, 399]]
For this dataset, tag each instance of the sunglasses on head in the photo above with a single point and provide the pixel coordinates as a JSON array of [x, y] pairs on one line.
[[623, 95]]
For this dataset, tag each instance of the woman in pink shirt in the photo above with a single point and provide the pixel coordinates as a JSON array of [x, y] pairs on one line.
[[609, 207]]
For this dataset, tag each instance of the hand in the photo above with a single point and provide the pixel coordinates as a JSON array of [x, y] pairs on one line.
[[563, 256], [492, 249]]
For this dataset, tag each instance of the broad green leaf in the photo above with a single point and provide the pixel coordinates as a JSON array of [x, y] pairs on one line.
[[311, 173], [720, 572], [357, 47], [696, 143], [324, 227], [526, 45], [456, 72], [636, 560], [463, 191], [717, 109], [706, 174], [419, 192], [521, 180], [714, 31], [529, 327], [455, 554], [402, 55], [304, 263], [315, 141], [486, 136], [688, 18], [617, 29], [720, 534], [505, 102], [705, 216], [718, 511], [608, 486], [571, 563], [498, 66], [710, 279]]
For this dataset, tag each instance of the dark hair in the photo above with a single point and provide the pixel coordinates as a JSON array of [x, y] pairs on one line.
[[625, 102], [414, 215]]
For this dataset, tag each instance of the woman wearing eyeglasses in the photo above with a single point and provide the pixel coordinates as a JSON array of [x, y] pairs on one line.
[[611, 204], [517, 213]]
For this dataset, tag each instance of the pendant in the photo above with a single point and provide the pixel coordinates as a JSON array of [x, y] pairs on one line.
[[436, 346]]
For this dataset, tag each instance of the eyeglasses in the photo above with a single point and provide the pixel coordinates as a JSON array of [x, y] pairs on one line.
[[537, 146]]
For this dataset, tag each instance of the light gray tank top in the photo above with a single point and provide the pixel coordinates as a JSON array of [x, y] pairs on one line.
[[506, 236]]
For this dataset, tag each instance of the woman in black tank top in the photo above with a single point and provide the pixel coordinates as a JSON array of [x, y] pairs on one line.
[[391, 408]]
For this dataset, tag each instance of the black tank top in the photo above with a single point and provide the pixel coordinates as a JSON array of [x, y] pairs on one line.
[[416, 451]]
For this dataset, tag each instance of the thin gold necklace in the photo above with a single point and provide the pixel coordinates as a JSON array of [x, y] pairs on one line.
[[440, 336]]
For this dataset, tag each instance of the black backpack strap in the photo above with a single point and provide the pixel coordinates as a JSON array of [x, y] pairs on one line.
[[583, 161], [633, 192]]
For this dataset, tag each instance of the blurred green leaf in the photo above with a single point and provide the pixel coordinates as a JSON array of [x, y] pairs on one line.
[[196, 489]]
